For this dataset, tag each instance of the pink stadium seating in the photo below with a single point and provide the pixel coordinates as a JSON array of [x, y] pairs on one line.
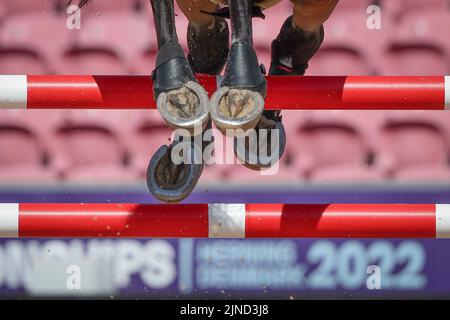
[[20, 61], [414, 146], [21, 6], [23, 152], [107, 44], [398, 8], [419, 47], [2, 11], [91, 148], [25, 42], [92, 61], [332, 148]]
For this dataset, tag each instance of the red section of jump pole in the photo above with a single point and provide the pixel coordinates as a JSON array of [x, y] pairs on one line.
[[356, 92], [194, 221], [96, 92], [112, 220], [89, 92], [350, 93], [341, 221]]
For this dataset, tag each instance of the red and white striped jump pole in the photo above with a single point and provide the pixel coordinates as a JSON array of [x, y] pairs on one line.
[[224, 221], [295, 93]]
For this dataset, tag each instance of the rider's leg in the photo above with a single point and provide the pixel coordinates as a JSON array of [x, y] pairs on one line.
[[208, 36]]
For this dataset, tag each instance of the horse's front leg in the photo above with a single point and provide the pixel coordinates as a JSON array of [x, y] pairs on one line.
[[239, 103], [183, 104]]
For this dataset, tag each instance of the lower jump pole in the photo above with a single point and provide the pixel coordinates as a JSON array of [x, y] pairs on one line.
[[224, 221], [284, 92]]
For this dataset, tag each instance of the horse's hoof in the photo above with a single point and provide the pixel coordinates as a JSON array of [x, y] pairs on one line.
[[185, 108], [249, 152], [233, 109], [181, 100], [169, 182]]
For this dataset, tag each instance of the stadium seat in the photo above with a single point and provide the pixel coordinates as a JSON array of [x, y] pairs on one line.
[[13, 7], [25, 42], [21, 62], [332, 149], [414, 146], [419, 47], [110, 44], [89, 148], [399, 8], [24, 157]]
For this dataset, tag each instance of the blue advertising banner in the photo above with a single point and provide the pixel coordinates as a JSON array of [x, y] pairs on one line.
[[224, 268]]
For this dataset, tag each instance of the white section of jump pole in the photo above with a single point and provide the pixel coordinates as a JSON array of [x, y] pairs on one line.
[[447, 92], [226, 220], [9, 220], [13, 91], [443, 221]]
